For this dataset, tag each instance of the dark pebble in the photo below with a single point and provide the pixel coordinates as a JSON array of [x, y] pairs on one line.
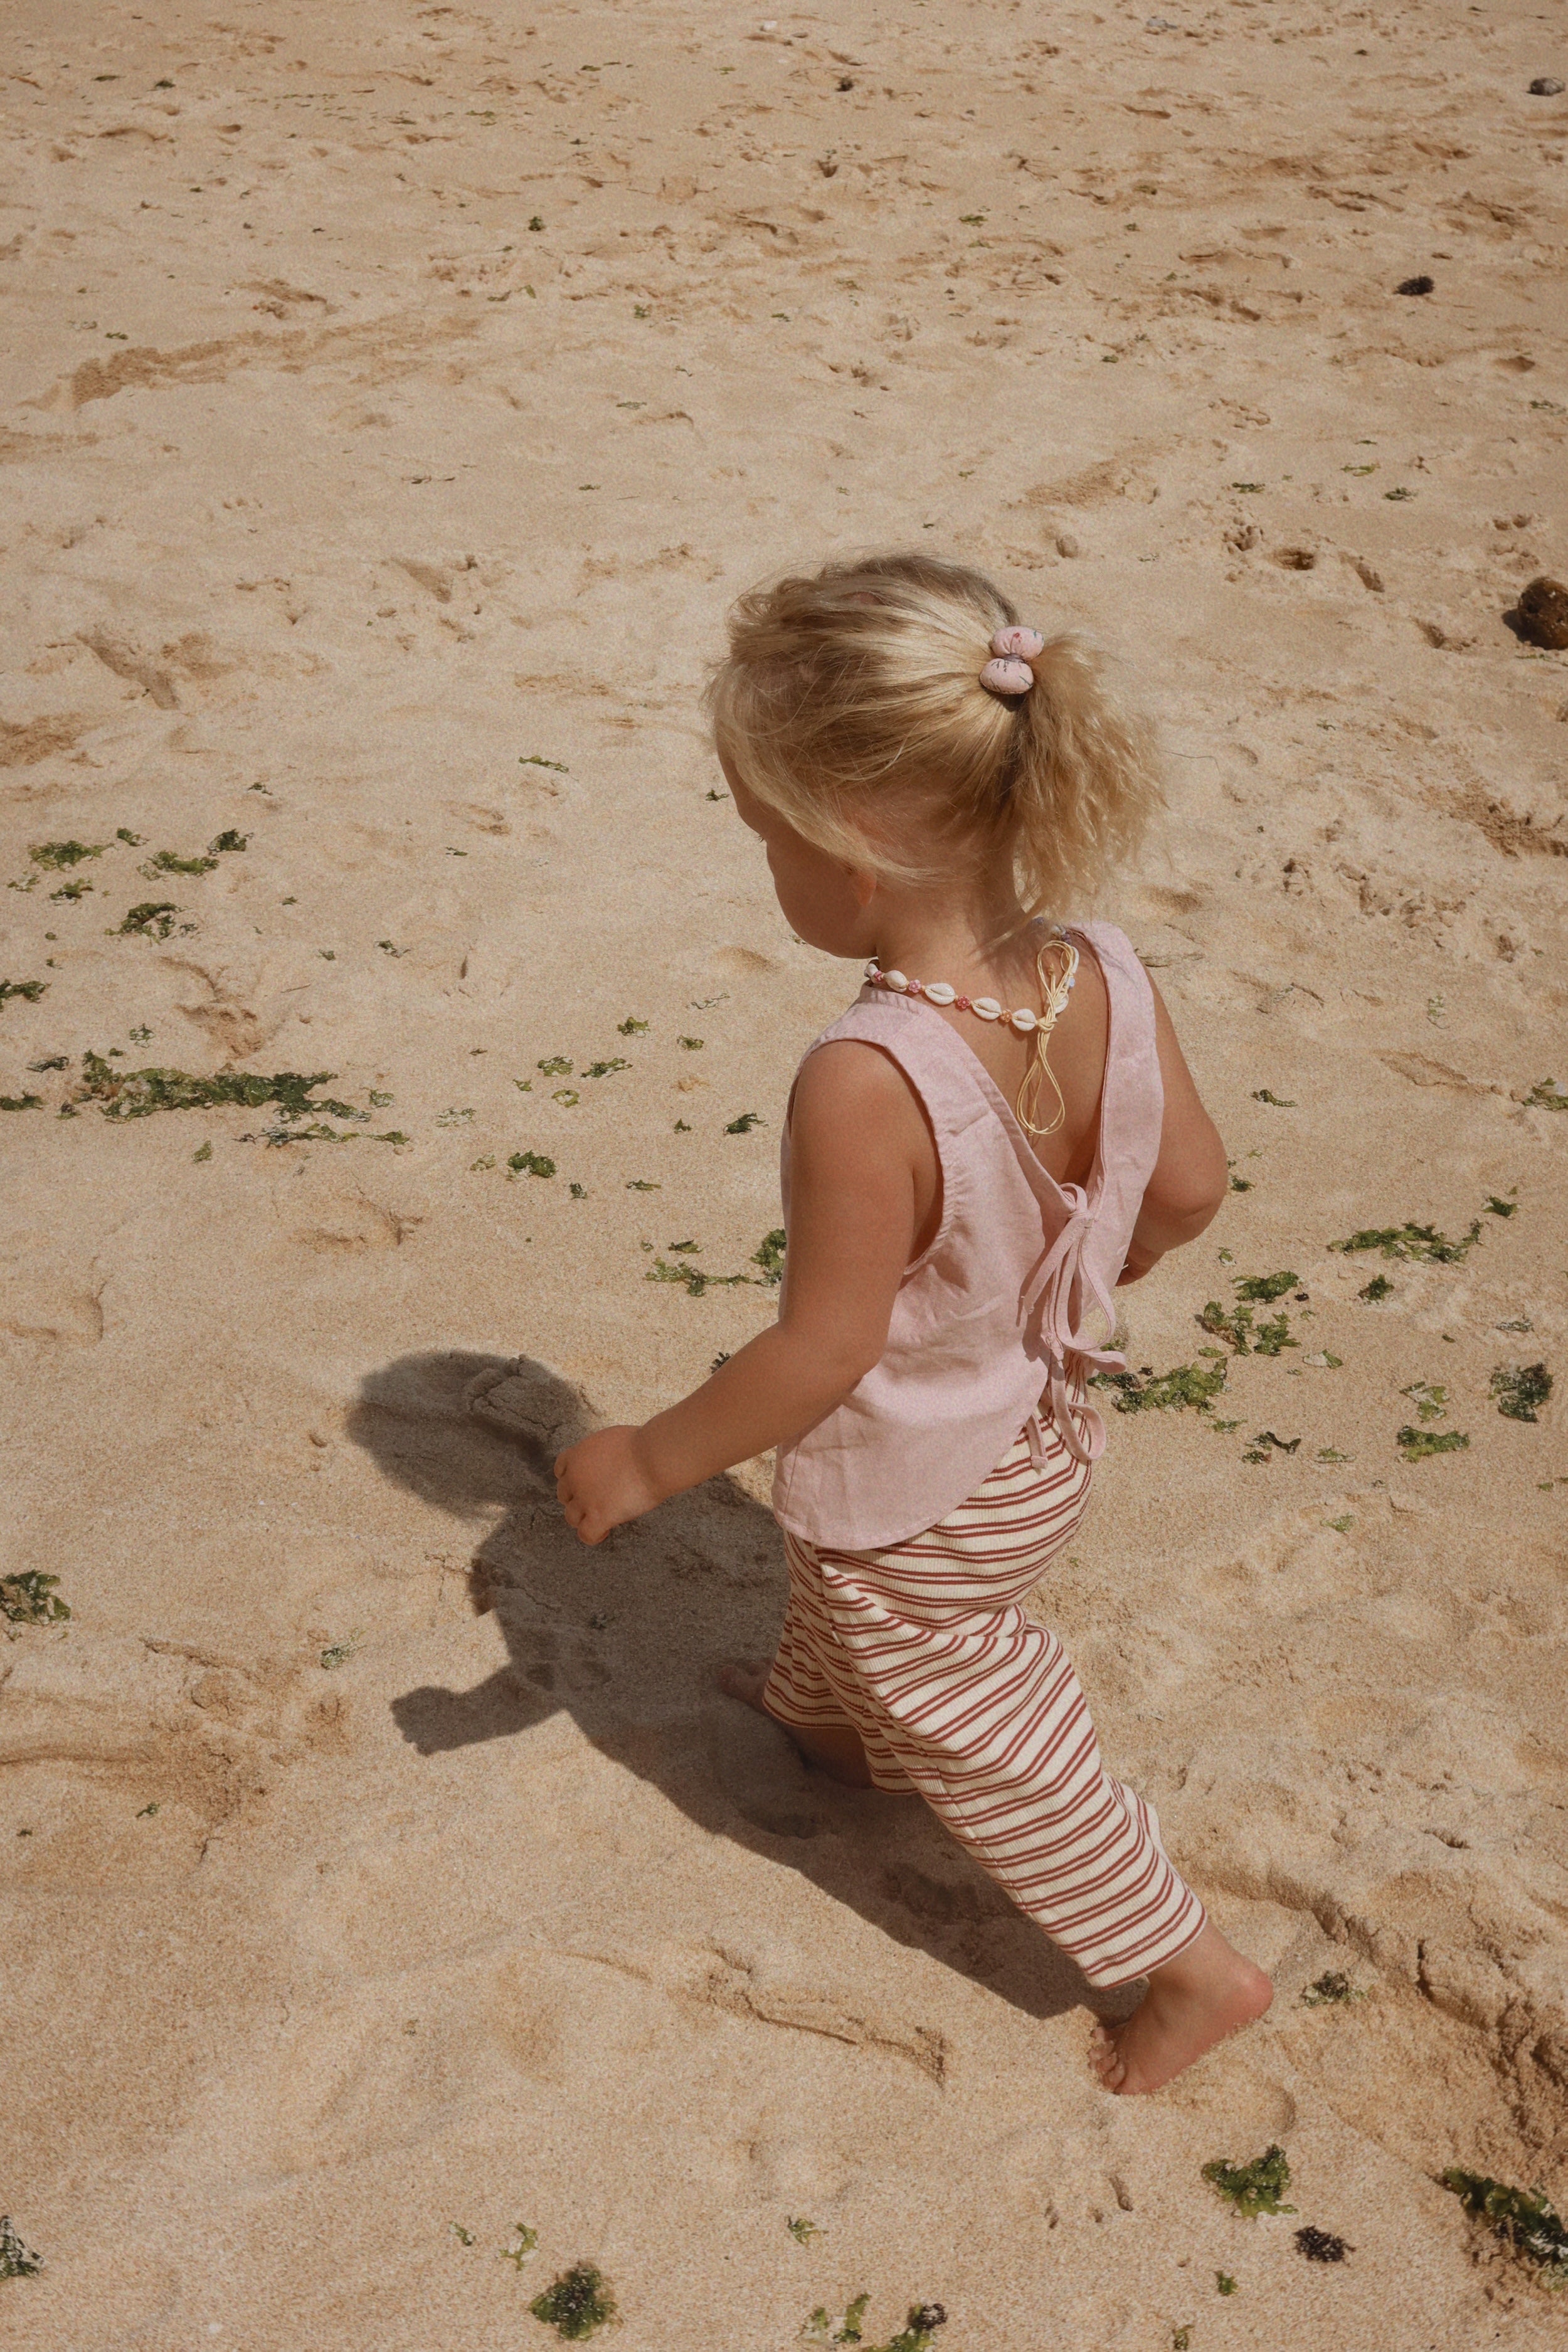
[[1543, 86], [1543, 613], [1415, 285], [1320, 2246], [845, 82]]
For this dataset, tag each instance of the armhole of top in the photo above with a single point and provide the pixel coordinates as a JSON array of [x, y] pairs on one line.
[[944, 1206]]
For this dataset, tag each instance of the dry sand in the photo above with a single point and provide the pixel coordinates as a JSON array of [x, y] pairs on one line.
[[393, 399]]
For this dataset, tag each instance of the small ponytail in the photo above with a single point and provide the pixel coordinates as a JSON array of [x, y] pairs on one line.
[[851, 703]]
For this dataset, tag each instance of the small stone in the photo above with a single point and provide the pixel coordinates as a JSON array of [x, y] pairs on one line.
[[1066, 544], [1417, 286], [1322, 2246], [1546, 86], [1543, 614]]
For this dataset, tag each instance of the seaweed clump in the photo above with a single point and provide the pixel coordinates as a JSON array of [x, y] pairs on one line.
[[1415, 1445], [1256, 2188], [1185, 1387], [1519, 1388], [1411, 1241], [1525, 2219], [29, 1598], [29, 991], [1331, 1986], [1322, 2246], [153, 919], [1546, 1094], [915, 2336], [59, 857], [137, 1094], [770, 1257], [17, 2261], [578, 2305], [1244, 1335]]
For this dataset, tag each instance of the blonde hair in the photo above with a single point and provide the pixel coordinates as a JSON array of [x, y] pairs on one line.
[[850, 703]]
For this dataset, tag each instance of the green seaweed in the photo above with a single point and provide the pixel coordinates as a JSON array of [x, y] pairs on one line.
[[1247, 1337], [1265, 1288], [694, 1278], [226, 843], [578, 2305], [604, 1069], [29, 991], [1519, 1388], [169, 861], [1378, 1288], [29, 1598], [770, 1255], [203, 1150], [59, 856], [137, 1094], [133, 840], [35, 1102], [557, 1067], [1265, 1444], [579, 1192], [533, 1162], [642, 1185], [631, 1028], [337, 1653], [802, 2230], [526, 2247], [1185, 1387], [531, 758], [1415, 1445], [1430, 1397], [1256, 2188], [1331, 1987], [1412, 1241], [455, 1118], [463, 2237], [71, 892], [17, 2261], [1525, 2220], [1223, 2283], [52, 1062], [744, 1124], [1496, 1206], [153, 919], [1263, 1095], [1546, 1094], [691, 1045], [1181, 2340], [676, 1248]]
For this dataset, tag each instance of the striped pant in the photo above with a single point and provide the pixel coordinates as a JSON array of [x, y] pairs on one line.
[[924, 1651]]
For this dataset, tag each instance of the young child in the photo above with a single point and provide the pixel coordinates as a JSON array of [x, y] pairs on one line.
[[974, 1157]]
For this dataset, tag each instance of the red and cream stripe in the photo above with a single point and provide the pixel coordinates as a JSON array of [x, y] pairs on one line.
[[925, 1651]]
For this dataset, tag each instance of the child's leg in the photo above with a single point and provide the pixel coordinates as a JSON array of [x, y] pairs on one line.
[[840, 1753]]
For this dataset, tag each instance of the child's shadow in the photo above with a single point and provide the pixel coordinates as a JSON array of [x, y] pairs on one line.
[[626, 1637]]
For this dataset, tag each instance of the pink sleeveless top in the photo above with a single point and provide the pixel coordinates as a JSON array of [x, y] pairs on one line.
[[989, 1327]]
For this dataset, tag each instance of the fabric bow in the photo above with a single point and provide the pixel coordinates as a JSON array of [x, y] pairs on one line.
[[1048, 1301]]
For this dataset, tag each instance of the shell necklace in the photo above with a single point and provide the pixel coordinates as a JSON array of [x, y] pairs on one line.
[[1056, 969]]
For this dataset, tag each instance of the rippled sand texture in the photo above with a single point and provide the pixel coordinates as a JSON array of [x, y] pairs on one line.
[[392, 397]]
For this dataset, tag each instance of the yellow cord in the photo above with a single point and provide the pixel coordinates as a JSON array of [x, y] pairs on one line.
[[1056, 986]]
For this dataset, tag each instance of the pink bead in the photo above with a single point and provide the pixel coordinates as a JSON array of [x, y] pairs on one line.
[[911, 988], [962, 1004]]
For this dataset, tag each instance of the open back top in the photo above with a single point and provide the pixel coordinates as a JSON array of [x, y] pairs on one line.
[[989, 1326]]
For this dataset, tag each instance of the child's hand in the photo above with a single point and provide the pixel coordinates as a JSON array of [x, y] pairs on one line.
[[601, 1483]]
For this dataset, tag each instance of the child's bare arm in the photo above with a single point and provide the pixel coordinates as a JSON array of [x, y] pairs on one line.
[[1189, 1182], [855, 1140]]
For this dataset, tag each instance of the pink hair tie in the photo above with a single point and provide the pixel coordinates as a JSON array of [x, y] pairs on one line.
[[1013, 649]]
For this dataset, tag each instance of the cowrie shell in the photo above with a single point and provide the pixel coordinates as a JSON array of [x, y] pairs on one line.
[[987, 1008], [1023, 1021], [895, 980], [940, 992]]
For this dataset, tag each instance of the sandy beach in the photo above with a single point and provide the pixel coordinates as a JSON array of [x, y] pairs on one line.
[[391, 399]]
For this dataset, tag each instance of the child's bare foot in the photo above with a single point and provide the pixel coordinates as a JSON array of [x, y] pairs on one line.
[[1194, 2002], [838, 1753]]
